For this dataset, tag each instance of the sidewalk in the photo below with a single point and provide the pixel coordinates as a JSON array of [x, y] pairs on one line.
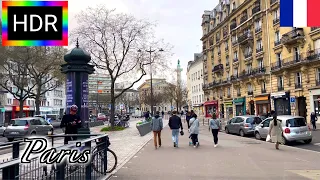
[[235, 158]]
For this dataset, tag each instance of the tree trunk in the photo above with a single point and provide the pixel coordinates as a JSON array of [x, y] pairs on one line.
[[113, 103], [21, 108], [37, 99]]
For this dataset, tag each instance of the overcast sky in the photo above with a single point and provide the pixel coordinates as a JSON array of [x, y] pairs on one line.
[[179, 21]]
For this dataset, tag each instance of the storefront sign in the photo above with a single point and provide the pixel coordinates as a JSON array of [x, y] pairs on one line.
[[278, 94], [25, 108], [214, 102], [239, 100], [262, 98], [228, 104]]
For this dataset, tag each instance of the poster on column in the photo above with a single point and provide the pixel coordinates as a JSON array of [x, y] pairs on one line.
[[70, 91], [84, 97]]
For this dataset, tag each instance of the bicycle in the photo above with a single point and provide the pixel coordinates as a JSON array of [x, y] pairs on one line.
[[97, 158]]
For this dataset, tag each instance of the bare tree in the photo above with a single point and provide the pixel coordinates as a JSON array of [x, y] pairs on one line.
[[114, 40], [157, 99], [44, 70], [177, 93], [15, 76], [102, 99]]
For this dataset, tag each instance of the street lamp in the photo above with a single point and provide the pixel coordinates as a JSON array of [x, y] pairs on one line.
[[150, 51]]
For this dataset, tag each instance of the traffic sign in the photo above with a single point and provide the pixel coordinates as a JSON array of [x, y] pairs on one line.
[[292, 99]]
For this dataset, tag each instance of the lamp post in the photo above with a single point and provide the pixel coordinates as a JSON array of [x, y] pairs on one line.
[[150, 51]]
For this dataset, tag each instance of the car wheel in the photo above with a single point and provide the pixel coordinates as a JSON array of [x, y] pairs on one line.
[[33, 133], [51, 132], [257, 135], [227, 130], [10, 139], [241, 133], [308, 141], [284, 141]]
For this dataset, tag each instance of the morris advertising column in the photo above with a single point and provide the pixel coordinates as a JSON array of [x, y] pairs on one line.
[[77, 70]]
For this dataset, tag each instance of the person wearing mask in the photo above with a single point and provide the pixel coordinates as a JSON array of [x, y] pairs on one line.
[[175, 124], [156, 126], [275, 130], [313, 118], [71, 123], [194, 130], [214, 126]]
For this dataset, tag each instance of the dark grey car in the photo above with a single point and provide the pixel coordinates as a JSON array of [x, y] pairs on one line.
[[242, 125], [22, 127]]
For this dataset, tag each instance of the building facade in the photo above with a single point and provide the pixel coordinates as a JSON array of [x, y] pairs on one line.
[[161, 101], [251, 65], [195, 83]]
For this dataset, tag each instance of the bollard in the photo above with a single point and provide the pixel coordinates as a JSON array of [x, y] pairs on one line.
[[88, 166], [208, 122], [203, 121]]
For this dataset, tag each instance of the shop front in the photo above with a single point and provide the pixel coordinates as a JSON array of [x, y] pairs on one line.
[[281, 103], [315, 102], [46, 110], [263, 105], [240, 104], [198, 109], [211, 107], [27, 111], [2, 115], [229, 109]]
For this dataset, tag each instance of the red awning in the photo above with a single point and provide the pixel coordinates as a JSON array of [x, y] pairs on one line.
[[211, 103]]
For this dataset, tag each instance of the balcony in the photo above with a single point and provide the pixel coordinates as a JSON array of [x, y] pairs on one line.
[[263, 91], [258, 29], [281, 88], [204, 48], [314, 28], [258, 50], [225, 33], [292, 61], [227, 64], [234, 77], [293, 37], [234, 42], [258, 71], [256, 9], [217, 39], [248, 55], [276, 21], [277, 43], [218, 68], [235, 60], [245, 37], [243, 18], [298, 85], [250, 93], [211, 42], [233, 25]]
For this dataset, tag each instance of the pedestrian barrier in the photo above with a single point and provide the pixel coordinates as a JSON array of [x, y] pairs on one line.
[[96, 123], [97, 168]]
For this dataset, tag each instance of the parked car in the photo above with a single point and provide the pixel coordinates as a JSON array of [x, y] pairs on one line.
[[2, 130], [22, 127], [294, 128], [242, 125], [101, 117]]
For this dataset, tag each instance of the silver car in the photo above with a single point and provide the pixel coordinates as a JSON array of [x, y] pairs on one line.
[[294, 128], [242, 125], [22, 127], [2, 130]]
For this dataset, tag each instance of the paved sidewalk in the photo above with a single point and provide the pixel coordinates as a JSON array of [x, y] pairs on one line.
[[235, 158]]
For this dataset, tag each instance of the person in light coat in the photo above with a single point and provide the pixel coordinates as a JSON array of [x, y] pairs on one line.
[[157, 126], [275, 131], [194, 130]]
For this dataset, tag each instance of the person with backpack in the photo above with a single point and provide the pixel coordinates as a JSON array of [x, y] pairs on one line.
[[156, 126], [214, 126], [175, 124], [194, 130]]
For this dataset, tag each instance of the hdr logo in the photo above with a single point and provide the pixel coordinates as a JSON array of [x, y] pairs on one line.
[[35, 23]]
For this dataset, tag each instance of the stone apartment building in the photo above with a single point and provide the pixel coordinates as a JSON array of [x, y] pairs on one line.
[[251, 65]]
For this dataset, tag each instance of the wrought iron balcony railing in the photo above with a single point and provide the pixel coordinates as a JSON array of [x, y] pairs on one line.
[[280, 88]]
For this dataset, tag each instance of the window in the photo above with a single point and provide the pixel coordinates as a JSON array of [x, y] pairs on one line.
[[235, 72], [235, 55], [259, 44], [234, 39], [234, 5], [298, 80], [226, 44], [266, 123], [257, 24], [248, 50], [228, 75], [296, 122], [318, 74], [260, 63], [9, 101], [263, 86], [277, 36], [229, 91], [249, 68], [280, 82], [239, 91], [278, 59], [250, 88], [296, 54], [276, 14], [227, 59]]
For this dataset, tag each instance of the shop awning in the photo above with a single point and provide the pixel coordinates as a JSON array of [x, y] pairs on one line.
[[262, 98], [238, 103], [262, 102], [228, 103], [210, 103]]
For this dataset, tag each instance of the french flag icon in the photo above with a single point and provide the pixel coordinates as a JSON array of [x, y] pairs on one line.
[[300, 13]]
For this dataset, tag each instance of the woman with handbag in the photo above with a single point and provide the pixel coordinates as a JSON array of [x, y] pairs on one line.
[[214, 126], [275, 131]]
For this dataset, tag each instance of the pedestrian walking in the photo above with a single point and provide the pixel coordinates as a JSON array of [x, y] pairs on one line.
[[162, 113], [175, 125], [314, 119], [275, 130], [188, 117], [157, 126], [147, 115], [71, 123], [214, 126], [194, 130]]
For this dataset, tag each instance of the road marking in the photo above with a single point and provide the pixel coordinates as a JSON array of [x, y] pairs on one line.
[[310, 174]]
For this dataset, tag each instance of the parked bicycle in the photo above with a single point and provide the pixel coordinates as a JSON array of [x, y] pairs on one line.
[[122, 121]]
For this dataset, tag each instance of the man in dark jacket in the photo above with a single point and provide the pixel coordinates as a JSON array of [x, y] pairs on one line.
[[313, 118], [147, 115], [175, 124], [71, 122]]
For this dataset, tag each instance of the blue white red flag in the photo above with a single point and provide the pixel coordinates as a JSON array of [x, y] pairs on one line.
[[300, 13]]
